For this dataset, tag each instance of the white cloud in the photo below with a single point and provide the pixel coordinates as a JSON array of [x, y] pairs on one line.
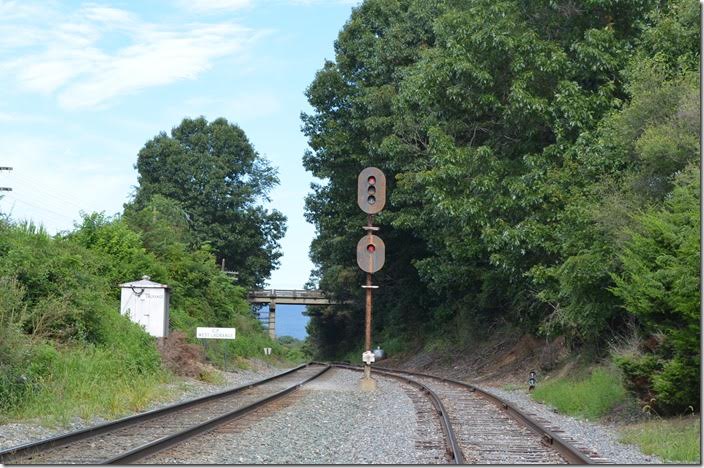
[[107, 15], [13, 117], [203, 6], [99, 53]]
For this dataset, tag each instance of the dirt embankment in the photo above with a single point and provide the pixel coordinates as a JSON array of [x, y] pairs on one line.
[[505, 358]]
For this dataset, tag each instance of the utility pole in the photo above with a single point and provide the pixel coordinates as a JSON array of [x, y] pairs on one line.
[[5, 189]]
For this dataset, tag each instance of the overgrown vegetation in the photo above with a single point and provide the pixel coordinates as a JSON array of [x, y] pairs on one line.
[[591, 397], [66, 351], [542, 163], [676, 440]]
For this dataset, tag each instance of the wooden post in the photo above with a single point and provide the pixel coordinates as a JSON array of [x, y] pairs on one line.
[[368, 324]]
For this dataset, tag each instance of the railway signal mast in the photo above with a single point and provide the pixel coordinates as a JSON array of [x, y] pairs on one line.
[[371, 198]]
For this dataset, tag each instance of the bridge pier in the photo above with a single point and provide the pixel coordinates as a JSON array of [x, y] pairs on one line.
[[272, 320]]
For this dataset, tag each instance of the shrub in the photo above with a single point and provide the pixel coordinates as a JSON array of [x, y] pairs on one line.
[[660, 285]]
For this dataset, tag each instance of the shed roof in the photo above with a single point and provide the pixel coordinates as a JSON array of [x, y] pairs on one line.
[[143, 283]]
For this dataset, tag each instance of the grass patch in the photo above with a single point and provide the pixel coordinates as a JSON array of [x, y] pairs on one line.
[[673, 440], [87, 382], [590, 397]]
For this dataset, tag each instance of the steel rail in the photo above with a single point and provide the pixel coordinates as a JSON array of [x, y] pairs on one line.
[[453, 448], [572, 454], [165, 442], [46, 444]]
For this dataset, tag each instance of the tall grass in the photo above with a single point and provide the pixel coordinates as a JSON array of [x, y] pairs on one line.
[[84, 382], [590, 397], [674, 440]]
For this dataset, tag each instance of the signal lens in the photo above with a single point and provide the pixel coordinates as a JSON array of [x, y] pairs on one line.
[[371, 248], [371, 200], [371, 190], [371, 180]]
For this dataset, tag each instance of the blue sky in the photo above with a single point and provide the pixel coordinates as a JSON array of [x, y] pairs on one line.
[[83, 85]]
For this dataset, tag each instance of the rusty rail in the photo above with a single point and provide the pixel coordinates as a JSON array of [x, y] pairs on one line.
[[156, 446], [6, 456], [453, 447], [569, 452]]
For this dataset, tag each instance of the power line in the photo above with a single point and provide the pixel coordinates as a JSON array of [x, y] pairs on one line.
[[54, 213], [53, 194]]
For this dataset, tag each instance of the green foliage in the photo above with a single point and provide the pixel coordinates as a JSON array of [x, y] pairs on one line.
[[591, 397], [86, 381], [209, 175], [675, 440], [297, 350], [162, 224], [520, 140], [64, 348], [112, 237], [660, 285], [118, 372]]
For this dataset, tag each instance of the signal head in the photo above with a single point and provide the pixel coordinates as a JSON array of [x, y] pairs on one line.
[[371, 190]]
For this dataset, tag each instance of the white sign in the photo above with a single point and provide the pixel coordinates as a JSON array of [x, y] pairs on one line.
[[216, 333], [368, 357]]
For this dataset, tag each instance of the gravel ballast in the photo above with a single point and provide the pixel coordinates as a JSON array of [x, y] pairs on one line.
[[602, 439], [14, 434], [332, 421]]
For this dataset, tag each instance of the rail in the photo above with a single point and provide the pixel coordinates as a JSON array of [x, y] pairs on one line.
[[29, 449], [572, 454], [453, 447]]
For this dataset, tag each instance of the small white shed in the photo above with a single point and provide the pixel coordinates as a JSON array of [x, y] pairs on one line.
[[147, 303]]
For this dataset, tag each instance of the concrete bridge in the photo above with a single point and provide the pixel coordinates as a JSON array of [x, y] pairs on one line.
[[287, 296]]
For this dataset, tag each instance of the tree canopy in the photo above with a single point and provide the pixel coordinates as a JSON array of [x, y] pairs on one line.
[[215, 182], [521, 141]]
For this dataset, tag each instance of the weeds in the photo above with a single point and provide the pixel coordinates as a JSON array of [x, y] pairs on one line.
[[84, 382], [675, 440], [590, 397]]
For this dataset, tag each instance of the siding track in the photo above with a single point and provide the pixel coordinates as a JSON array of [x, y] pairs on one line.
[[132, 438]]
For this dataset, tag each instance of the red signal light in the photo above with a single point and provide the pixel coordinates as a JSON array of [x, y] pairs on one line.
[[371, 190], [370, 253]]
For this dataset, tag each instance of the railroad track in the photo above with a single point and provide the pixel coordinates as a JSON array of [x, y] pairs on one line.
[[133, 438], [224, 444], [483, 428]]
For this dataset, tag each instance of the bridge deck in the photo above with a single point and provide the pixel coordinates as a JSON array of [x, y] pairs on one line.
[[290, 296]]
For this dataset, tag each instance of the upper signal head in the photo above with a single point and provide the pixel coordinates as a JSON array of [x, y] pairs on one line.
[[371, 190]]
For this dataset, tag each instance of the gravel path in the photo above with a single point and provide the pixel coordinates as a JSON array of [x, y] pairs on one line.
[[329, 421], [602, 439], [14, 434]]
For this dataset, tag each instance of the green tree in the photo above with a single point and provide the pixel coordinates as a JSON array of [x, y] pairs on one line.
[[353, 111], [660, 285], [214, 174], [518, 138]]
